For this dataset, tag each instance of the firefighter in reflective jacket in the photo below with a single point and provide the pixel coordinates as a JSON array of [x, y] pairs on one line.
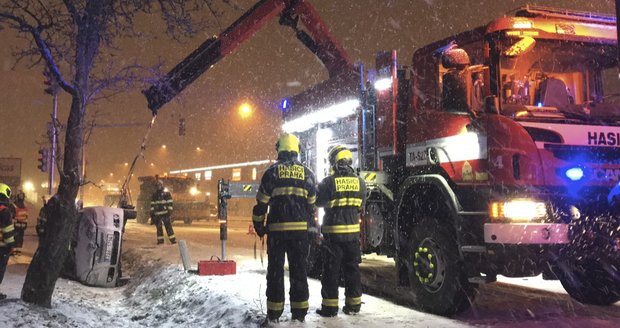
[[288, 191], [161, 210], [7, 240], [20, 220], [342, 194]]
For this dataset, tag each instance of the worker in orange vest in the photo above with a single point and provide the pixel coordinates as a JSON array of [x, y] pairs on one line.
[[20, 221]]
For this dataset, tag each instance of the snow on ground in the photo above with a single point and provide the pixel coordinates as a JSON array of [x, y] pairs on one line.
[[162, 295]]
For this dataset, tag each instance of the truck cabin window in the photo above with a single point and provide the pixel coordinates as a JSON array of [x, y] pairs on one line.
[[564, 79]]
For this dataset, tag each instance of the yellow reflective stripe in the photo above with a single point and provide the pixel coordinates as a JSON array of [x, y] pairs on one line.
[[275, 306], [288, 226], [10, 240], [8, 228], [161, 212], [171, 236], [263, 198], [152, 208], [333, 302], [344, 202], [344, 228], [353, 300], [159, 201], [299, 305], [169, 201], [258, 218], [160, 237], [284, 191], [311, 199]]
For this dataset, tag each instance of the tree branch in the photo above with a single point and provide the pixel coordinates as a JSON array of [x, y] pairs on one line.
[[44, 50]]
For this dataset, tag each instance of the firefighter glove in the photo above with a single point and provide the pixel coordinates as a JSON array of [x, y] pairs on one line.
[[260, 228]]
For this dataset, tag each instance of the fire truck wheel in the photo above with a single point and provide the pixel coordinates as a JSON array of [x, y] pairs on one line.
[[590, 281], [187, 220], [436, 274]]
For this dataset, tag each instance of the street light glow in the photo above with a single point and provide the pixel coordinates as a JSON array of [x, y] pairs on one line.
[[28, 186], [163, 146], [245, 110]]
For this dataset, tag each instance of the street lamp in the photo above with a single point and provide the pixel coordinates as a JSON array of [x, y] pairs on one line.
[[245, 110]]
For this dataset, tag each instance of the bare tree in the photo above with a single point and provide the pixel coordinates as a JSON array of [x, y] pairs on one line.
[[77, 40]]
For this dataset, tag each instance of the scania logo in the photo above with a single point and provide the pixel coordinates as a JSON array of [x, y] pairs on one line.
[[603, 138]]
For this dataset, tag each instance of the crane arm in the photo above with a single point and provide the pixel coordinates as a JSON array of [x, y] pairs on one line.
[[318, 39]]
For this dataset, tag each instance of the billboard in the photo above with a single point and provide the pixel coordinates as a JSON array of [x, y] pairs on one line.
[[11, 172]]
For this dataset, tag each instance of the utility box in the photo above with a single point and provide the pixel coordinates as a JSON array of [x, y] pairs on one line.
[[216, 267]]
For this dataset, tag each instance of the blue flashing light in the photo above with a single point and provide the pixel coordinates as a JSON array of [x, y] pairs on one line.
[[284, 104], [574, 173], [539, 105]]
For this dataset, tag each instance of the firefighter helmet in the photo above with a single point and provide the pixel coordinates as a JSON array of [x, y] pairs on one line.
[[288, 142], [340, 154], [5, 190]]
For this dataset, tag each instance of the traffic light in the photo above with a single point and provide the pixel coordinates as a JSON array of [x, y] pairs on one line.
[[181, 126], [43, 159], [50, 82]]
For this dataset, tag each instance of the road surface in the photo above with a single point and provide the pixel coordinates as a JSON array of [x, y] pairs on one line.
[[526, 302]]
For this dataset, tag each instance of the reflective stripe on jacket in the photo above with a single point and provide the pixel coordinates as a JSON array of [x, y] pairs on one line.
[[343, 195], [161, 204], [7, 229], [287, 190]]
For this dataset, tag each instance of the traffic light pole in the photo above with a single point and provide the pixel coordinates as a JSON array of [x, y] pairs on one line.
[[54, 137]]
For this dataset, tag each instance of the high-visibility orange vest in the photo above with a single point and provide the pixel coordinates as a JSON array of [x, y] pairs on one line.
[[21, 214]]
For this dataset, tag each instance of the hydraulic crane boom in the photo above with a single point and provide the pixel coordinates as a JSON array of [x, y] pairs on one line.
[[315, 36]]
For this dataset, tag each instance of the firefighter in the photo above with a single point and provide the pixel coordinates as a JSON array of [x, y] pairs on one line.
[[161, 211], [7, 240], [20, 220], [343, 194], [288, 192]]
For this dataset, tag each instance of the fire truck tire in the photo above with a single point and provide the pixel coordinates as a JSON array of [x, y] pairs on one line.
[[590, 282], [187, 220], [436, 274]]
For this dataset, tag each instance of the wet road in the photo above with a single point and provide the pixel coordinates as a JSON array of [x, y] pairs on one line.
[[514, 302]]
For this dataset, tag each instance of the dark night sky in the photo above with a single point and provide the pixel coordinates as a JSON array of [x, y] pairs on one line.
[[259, 72]]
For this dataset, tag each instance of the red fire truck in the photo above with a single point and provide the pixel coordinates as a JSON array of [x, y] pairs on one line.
[[497, 152]]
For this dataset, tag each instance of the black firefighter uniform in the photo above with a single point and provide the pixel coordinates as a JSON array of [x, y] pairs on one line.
[[7, 239], [342, 194], [288, 190], [161, 210]]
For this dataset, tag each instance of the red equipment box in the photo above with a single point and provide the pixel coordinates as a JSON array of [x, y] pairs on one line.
[[216, 267]]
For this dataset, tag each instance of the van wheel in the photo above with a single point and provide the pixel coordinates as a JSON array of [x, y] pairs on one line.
[[436, 273], [590, 281]]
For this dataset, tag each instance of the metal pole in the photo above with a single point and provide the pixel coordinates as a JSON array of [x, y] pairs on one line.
[[83, 172], [185, 255], [618, 31], [54, 137]]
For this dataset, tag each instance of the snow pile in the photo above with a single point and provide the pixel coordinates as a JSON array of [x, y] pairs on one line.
[[169, 297], [161, 295]]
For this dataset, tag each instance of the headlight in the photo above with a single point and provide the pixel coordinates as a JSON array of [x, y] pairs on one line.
[[518, 210]]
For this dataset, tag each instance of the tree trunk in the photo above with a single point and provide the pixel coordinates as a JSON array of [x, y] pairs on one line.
[[62, 216]]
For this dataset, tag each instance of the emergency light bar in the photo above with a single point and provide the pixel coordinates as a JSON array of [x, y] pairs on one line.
[[324, 115]]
